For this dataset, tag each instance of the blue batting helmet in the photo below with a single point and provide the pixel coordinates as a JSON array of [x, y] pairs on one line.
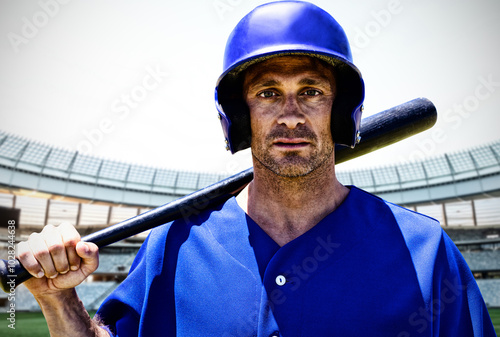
[[288, 28]]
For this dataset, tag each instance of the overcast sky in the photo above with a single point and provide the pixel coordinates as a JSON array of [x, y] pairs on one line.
[[134, 80]]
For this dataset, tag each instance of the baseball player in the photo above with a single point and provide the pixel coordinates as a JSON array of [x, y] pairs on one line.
[[296, 253]]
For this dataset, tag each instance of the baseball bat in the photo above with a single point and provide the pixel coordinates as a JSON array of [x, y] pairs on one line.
[[377, 131]]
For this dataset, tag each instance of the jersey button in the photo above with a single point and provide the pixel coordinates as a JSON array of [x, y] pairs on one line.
[[275, 334], [280, 280]]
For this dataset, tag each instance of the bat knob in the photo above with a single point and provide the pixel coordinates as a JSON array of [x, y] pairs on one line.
[[12, 273]]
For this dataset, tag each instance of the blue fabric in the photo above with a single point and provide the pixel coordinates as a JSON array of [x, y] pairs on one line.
[[369, 268]]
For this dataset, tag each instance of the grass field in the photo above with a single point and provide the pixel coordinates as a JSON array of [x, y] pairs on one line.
[[32, 324], [495, 317], [28, 324]]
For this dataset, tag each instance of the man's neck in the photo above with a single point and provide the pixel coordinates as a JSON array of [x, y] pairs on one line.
[[286, 208]]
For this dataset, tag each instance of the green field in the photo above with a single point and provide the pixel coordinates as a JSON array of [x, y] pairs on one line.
[[32, 324], [495, 317], [28, 324]]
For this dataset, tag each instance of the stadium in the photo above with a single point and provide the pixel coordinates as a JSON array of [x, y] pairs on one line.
[[88, 88], [41, 184]]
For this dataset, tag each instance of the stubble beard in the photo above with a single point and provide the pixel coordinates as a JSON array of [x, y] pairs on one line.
[[293, 164]]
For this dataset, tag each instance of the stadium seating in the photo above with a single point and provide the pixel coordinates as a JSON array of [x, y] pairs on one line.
[[490, 289], [481, 261], [93, 293], [117, 263]]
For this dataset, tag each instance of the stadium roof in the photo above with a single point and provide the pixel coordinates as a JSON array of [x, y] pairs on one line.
[[27, 164]]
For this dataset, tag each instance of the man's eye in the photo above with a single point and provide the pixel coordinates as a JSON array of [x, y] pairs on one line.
[[266, 94], [312, 92]]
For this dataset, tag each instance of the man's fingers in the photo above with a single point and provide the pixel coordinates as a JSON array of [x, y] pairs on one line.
[[27, 259], [70, 237], [41, 253], [57, 250], [51, 252]]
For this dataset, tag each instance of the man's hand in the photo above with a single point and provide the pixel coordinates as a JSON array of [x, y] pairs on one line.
[[59, 262], [57, 259]]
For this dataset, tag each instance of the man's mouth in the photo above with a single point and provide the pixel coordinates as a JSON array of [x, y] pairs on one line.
[[291, 143]]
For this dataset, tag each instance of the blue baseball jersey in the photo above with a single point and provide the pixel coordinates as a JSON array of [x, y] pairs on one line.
[[369, 268]]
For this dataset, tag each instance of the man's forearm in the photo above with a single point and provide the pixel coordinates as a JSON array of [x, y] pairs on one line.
[[66, 316]]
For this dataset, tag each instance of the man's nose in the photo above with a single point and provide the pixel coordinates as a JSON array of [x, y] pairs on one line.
[[291, 115]]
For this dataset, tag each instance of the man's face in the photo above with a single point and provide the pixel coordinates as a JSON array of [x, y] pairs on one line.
[[290, 100]]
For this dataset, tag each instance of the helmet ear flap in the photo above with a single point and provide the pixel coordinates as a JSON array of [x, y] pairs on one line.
[[345, 115], [236, 110], [341, 123], [240, 133]]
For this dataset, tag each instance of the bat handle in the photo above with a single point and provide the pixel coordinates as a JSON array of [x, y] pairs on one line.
[[12, 273]]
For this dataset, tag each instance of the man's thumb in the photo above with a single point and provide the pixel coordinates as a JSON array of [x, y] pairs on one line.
[[89, 252]]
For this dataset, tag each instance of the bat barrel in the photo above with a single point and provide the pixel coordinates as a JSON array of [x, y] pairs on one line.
[[389, 127], [377, 131]]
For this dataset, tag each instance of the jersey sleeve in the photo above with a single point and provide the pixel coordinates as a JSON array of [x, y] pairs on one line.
[[453, 304], [457, 306]]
